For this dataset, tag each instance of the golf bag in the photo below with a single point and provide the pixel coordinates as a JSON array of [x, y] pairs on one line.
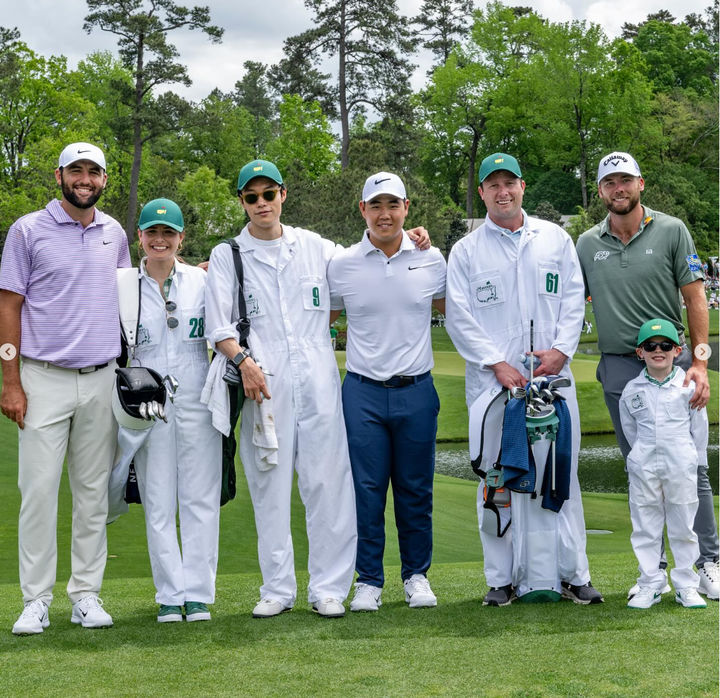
[[512, 450]]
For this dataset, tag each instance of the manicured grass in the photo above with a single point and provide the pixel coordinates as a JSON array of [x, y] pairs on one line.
[[458, 648]]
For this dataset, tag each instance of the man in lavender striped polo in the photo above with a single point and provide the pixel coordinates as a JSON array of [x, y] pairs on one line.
[[59, 311]]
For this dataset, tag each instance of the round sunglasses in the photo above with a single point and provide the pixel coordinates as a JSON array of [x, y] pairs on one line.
[[652, 346], [268, 195]]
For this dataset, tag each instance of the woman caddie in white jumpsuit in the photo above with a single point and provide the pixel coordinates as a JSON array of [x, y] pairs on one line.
[[668, 440], [494, 288], [179, 467], [287, 301]]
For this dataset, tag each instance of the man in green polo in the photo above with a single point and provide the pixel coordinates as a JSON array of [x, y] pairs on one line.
[[639, 263]]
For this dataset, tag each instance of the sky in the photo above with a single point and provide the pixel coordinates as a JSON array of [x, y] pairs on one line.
[[255, 31]]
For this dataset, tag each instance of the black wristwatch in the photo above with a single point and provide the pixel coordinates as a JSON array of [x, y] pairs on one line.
[[241, 356]]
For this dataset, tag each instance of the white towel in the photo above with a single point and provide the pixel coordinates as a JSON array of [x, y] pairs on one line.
[[129, 443], [264, 436], [215, 396]]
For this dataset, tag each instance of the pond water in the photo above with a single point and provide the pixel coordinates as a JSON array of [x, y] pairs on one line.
[[600, 468]]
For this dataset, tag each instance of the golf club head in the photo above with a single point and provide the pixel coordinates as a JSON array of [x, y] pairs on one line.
[[559, 382], [161, 412], [142, 409], [547, 395], [518, 393], [172, 385]]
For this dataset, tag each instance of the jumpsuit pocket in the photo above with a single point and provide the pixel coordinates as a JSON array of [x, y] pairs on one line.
[[548, 281], [193, 324], [314, 293]]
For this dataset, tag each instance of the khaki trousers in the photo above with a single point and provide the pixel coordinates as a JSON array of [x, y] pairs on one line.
[[69, 413]]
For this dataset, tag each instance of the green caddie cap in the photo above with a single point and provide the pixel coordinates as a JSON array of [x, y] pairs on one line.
[[498, 161], [161, 212], [658, 328], [258, 168]]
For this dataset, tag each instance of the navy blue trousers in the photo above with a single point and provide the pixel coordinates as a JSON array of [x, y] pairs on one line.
[[391, 436]]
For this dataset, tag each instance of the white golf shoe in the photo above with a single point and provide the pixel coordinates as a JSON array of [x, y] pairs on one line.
[[267, 608], [709, 580], [89, 613], [329, 608], [689, 598], [645, 597], [33, 620], [367, 598], [418, 593], [663, 590]]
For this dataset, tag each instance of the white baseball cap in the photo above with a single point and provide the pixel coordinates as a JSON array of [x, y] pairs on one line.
[[81, 151], [618, 162], [383, 183]]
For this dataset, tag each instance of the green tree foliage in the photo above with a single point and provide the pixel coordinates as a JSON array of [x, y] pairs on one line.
[[547, 212], [220, 134], [142, 27], [211, 213], [304, 141], [368, 39], [297, 74], [40, 112], [589, 98], [440, 25]]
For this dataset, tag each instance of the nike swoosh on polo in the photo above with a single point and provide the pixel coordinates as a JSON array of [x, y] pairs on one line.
[[107, 242], [421, 266], [387, 179]]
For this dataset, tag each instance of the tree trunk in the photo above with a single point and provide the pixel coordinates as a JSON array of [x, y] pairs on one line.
[[342, 90], [583, 152], [471, 175], [131, 218]]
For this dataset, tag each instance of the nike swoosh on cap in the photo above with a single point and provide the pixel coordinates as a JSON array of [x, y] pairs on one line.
[[87, 150], [387, 179]]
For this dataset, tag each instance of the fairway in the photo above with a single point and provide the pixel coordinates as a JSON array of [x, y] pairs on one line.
[[558, 649], [459, 648]]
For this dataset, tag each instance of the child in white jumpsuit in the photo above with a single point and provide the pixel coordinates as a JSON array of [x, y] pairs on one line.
[[179, 465], [668, 440]]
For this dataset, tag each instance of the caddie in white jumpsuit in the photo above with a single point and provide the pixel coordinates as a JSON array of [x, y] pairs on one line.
[[286, 296], [179, 466], [510, 270], [668, 441]]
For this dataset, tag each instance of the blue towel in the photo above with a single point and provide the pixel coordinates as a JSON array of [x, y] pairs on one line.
[[515, 453], [563, 461], [517, 460]]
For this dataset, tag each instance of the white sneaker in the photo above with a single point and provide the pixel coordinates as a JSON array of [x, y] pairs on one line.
[[90, 613], [329, 608], [690, 598], [33, 620], [418, 593], [710, 580], [367, 598], [267, 608], [663, 590], [645, 597]]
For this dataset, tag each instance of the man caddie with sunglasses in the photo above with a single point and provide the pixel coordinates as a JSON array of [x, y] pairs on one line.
[[287, 303], [638, 263], [668, 440], [59, 310]]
